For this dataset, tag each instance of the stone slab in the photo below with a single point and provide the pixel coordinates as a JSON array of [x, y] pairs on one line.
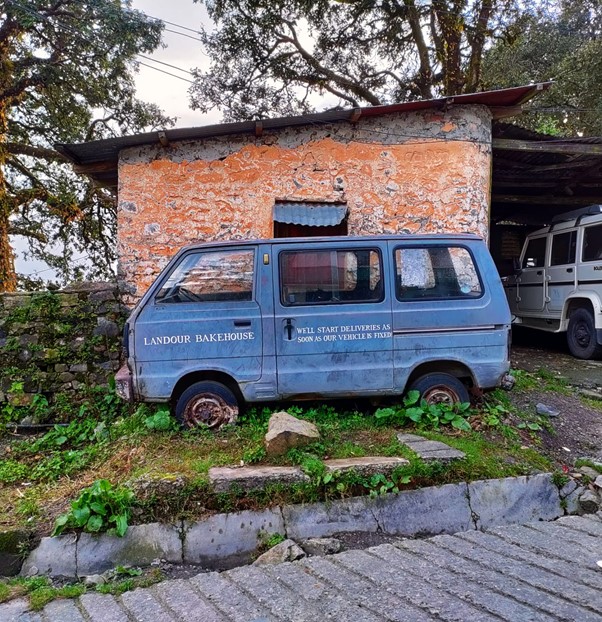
[[139, 547], [514, 500], [250, 478], [317, 520], [53, 557], [366, 466], [224, 540], [425, 511], [428, 450]]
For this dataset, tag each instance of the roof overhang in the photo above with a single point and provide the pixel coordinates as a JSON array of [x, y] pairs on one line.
[[99, 159]]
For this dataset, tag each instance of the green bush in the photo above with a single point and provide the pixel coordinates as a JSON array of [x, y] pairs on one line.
[[416, 411], [99, 508]]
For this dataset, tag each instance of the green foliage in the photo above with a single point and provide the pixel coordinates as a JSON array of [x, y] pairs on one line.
[[41, 596], [589, 463], [269, 540], [161, 421], [67, 77], [416, 411], [559, 41], [99, 508], [278, 57]]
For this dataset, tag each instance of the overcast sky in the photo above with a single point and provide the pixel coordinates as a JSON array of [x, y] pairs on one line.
[[181, 51]]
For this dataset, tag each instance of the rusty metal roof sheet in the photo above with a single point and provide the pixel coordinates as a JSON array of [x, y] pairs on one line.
[[312, 214], [105, 153]]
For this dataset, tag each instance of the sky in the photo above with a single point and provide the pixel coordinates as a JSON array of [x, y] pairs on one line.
[[170, 93]]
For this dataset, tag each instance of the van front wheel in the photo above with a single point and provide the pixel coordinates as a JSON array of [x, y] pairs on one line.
[[581, 335], [207, 404], [441, 389]]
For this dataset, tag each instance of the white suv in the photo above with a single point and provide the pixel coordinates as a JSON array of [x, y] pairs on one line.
[[557, 285]]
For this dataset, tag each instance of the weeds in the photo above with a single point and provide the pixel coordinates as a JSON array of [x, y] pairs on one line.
[[99, 508], [417, 411]]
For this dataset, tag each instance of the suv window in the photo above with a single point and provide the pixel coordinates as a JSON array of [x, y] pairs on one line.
[[563, 248], [535, 255], [592, 243], [330, 276], [435, 272], [211, 276]]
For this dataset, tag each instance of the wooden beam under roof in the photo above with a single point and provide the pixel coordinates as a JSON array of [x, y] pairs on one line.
[[544, 200], [563, 147]]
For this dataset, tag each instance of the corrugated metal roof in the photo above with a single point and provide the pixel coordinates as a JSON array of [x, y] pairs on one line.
[[311, 214], [105, 152]]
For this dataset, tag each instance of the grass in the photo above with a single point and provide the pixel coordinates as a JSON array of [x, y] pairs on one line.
[[39, 591], [43, 475]]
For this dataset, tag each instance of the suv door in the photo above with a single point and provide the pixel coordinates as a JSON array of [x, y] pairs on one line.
[[531, 284], [561, 273], [332, 319]]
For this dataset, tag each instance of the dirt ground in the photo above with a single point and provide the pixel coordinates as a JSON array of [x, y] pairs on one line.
[[578, 427]]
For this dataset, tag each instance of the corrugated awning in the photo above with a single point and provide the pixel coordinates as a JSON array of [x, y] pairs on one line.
[[310, 214]]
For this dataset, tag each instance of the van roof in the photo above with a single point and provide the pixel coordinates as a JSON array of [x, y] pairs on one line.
[[339, 238]]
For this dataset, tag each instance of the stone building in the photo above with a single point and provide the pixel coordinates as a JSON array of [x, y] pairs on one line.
[[417, 167]]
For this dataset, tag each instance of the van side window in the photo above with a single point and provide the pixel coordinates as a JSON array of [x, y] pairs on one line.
[[563, 248], [212, 276], [535, 254], [592, 243], [330, 277], [435, 272]]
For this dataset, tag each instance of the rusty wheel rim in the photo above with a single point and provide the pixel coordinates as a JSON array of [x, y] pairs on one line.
[[441, 394], [209, 410]]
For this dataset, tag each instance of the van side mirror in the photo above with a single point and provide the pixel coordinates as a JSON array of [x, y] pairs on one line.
[[516, 265]]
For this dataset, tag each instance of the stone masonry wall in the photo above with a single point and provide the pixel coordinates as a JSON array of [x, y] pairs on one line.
[[423, 172], [58, 342]]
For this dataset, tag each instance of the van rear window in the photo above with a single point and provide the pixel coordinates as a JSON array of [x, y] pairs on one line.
[[435, 272], [330, 276], [212, 276]]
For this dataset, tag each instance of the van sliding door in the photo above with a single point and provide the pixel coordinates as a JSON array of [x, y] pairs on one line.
[[332, 319]]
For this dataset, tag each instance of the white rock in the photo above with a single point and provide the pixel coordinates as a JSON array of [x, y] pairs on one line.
[[287, 551], [286, 432]]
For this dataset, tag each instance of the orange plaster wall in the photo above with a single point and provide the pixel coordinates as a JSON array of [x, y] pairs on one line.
[[417, 187]]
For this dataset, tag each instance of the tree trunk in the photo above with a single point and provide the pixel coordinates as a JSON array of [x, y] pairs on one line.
[[8, 278]]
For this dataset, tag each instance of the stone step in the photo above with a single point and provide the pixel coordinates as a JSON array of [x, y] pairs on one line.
[[430, 450]]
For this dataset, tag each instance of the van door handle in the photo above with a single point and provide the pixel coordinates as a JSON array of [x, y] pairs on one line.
[[539, 272], [242, 323], [289, 328], [569, 269]]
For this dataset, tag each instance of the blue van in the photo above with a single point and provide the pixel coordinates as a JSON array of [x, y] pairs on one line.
[[309, 318]]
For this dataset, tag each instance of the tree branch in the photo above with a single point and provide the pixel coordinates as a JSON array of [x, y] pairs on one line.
[[34, 152]]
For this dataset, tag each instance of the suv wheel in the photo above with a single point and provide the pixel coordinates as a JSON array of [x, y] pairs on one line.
[[581, 335]]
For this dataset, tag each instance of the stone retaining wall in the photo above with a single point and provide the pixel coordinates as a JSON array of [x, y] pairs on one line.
[[58, 343]]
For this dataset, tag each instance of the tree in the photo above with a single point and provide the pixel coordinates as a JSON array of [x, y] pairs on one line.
[[272, 55], [564, 44], [66, 75]]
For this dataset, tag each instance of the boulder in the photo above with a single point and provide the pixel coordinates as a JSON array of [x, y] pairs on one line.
[[589, 502], [286, 432], [286, 551]]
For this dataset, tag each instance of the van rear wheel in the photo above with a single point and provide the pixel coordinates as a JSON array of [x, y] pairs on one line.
[[441, 389], [581, 335], [207, 403]]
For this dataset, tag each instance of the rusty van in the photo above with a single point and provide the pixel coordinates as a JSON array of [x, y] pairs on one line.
[[240, 322]]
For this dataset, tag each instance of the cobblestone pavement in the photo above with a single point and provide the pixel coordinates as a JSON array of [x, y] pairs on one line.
[[537, 572]]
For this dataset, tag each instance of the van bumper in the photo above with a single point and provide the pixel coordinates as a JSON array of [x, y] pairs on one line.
[[123, 384]]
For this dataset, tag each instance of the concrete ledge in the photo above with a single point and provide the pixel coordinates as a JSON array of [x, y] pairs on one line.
[[511, 500], [139, 547], [426, 511], [225, 540]]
